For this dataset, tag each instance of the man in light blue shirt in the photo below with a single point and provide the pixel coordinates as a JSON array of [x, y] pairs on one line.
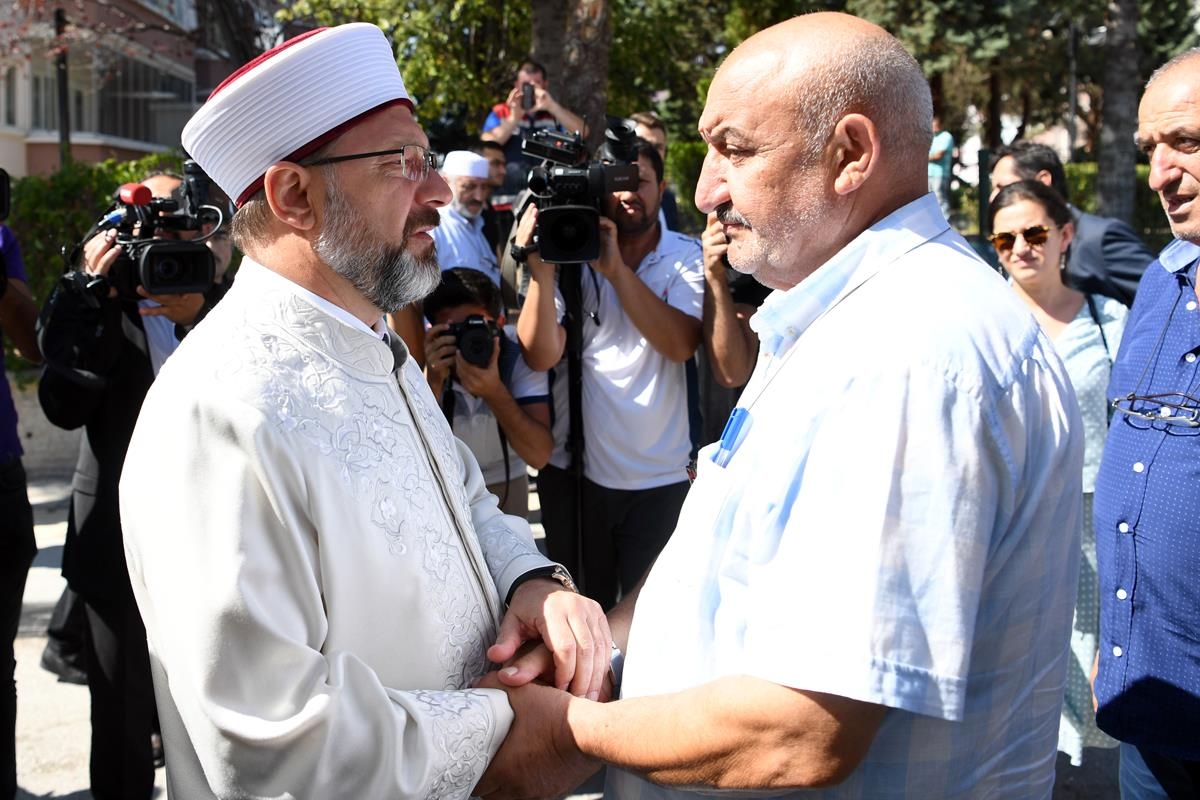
[[869, 591], [459, 237]]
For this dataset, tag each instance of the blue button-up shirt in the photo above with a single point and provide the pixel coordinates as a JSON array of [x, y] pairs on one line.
[[460, 243], [1147, 517]]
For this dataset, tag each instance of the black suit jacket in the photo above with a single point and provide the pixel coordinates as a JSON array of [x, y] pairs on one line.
[[1106, 257], [97, 374]]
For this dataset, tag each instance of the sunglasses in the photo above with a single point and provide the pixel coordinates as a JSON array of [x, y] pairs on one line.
[[1034, 237]]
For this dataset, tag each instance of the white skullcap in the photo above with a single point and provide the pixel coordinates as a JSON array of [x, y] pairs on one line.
[[466, 164], [290, 101]]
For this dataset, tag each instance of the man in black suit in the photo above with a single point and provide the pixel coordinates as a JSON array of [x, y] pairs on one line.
[[1106, 256], [102, 353]]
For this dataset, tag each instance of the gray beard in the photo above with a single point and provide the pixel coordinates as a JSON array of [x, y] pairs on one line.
[[388, 276]]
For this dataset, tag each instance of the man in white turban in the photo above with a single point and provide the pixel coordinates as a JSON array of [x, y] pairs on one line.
[[321, 571]]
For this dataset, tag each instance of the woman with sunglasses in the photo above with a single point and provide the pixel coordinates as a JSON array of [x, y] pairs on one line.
[[1031, 229]]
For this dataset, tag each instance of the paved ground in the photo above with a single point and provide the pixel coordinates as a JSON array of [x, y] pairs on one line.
[[52, 728]]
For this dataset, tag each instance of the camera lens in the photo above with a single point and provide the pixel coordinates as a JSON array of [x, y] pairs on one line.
[[475, 344], [167, 270]]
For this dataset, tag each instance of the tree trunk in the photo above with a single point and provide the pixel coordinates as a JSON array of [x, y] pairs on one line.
[[1116, 179], [995, 108], [572, 40]]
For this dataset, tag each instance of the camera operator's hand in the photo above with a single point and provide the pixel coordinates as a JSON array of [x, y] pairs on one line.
[[99, 254], [483, 382], [440, 350], [538, 269], [610, 262], [182, 309]]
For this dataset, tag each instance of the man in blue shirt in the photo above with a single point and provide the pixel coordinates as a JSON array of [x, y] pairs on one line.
[[1148, 491], [17, 547]]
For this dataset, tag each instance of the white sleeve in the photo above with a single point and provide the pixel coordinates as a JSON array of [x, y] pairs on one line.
[[224, 558]]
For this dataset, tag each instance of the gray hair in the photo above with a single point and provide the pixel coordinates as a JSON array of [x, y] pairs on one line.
[[1185, 56], [874, 76]]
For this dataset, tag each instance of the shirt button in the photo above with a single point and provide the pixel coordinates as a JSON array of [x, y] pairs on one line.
[[1122, 594], [1123, 527], [1117, 651], [1191, 305], [1139, 467], [1190, 358]]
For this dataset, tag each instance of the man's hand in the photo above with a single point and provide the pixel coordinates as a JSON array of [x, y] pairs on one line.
[[440, 350], [573, 628], [539, 757], [182, 309], [539, 270], [610, 261], [99, 254], [715, 245], [483, 382]]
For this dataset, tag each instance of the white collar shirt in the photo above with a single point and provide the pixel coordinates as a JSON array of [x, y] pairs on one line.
[[896, 522]]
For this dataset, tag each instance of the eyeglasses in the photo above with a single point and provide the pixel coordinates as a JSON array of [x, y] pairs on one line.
[[1173, 408], [415, 161], [1034, 237]]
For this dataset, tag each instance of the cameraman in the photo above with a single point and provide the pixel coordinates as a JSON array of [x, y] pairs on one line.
[[102, 353], [641, 308], [524, 111], [500, 410]]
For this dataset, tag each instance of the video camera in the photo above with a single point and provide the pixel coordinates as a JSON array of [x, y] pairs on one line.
[[570, 194], [473, 337], [161, 265]]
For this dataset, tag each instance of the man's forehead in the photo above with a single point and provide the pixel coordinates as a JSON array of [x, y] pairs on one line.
[[392, 127]]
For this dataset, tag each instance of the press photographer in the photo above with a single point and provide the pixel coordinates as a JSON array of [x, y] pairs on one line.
[[142, 278], [496, 404], [636, 308]]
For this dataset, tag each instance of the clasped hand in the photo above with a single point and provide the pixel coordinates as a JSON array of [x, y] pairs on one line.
[[539, 757]]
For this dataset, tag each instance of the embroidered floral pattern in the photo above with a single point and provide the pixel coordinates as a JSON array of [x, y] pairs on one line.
[[465, 725], [333, 387]]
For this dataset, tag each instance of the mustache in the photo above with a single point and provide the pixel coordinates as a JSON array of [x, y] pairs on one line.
[[421, 216], [728, 215]]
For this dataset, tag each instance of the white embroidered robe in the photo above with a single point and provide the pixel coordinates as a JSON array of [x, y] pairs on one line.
[[317, 560]]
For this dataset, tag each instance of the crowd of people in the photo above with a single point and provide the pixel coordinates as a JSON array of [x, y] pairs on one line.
[[921, 540]]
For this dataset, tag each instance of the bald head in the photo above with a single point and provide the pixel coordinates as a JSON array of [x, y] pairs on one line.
[[828, 64], [825, 118]]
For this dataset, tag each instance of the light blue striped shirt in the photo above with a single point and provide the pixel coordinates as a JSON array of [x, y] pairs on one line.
[[897, 523]]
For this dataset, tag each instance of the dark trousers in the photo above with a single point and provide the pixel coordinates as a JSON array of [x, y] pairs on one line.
[[623, 531], [1147, 775], [17, 549], [122, 692]]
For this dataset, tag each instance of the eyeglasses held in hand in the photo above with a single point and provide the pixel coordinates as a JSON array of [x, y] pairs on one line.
[[1173, 408], [1034, 237], [415, 161]]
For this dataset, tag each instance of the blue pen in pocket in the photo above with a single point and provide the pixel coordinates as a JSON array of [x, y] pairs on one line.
[[731, 437]]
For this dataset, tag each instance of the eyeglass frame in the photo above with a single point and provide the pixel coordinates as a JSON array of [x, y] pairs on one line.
[[428, 156], [1044, 231], [1190, 419]]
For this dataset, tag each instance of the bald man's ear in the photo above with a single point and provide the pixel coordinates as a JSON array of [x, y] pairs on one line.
[[288, 189], [855, 152]]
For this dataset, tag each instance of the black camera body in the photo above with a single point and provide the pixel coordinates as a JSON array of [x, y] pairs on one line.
[[474, 337], [570, 194], [161, 264]]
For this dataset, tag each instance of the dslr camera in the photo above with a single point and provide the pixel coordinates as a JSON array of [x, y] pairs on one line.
[[160, 264], [473, 337], [570, 193]]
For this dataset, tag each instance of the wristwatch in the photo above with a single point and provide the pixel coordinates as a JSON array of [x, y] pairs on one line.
[[554, 572], [519, 253]]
